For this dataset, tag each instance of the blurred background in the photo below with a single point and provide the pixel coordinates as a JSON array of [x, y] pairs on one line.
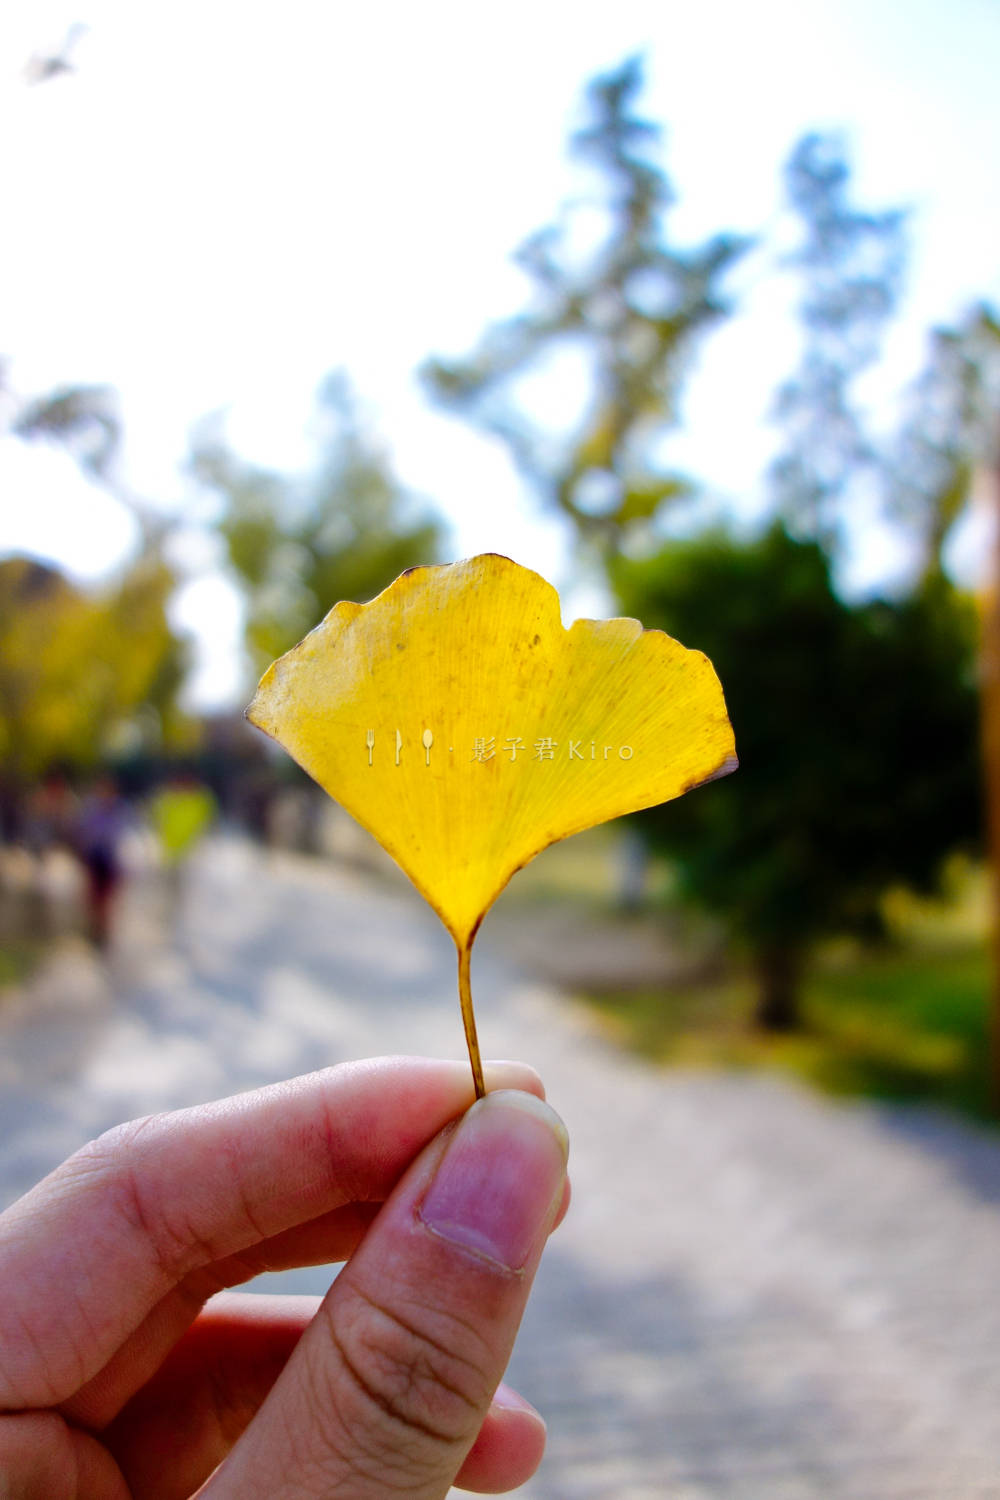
[[697, 312]]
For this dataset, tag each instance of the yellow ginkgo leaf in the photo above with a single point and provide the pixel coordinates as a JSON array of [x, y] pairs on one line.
[[460, 723]]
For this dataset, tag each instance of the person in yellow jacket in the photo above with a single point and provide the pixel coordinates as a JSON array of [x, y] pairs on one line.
[[181, 812]]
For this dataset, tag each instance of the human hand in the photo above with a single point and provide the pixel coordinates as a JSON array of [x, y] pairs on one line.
[[118, 1383]]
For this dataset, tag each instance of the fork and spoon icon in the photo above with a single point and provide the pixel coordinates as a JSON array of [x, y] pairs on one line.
[[426, 739]]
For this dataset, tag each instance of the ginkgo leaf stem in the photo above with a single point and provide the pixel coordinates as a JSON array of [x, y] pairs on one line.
[[620, 719], [469, 1019]]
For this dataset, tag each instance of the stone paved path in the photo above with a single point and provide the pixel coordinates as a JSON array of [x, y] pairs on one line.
[[758, 1294]]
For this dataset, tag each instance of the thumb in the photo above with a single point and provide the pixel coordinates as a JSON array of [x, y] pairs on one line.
[[392, 1381]]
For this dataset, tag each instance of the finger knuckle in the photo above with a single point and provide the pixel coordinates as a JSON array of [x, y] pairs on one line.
[[421, 1375], [117, 1161]]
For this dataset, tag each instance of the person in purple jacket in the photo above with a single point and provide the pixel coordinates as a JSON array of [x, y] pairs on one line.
[[100, 830]]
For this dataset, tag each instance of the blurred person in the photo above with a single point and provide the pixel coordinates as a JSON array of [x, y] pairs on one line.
[[123, 1372], [101, 827], [254, 798], [181, 812], [51, 811], [633, 875], [51, 814]]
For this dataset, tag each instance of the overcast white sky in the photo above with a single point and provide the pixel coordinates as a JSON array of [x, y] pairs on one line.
[[224, 201]]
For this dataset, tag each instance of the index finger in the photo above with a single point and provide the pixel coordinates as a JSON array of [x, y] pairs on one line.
[[93, 1248]]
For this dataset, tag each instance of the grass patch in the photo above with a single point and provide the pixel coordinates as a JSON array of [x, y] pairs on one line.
[[910, 1022]]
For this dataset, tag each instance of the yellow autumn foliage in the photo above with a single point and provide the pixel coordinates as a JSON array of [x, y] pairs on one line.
[[460, 723]]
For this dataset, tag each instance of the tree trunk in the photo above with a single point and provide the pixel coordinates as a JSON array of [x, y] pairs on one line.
[[779, 971]]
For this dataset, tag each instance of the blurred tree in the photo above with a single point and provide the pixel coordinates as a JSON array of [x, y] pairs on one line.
[[82, 418], [82, 675], [856, 731], [850, 264], [631, 306], [86, 674], [951, 434], [300, 544], [147, 661], [949, 431], [85, 421]]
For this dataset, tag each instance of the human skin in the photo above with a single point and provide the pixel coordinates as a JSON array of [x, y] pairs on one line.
[[128, 1373]]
